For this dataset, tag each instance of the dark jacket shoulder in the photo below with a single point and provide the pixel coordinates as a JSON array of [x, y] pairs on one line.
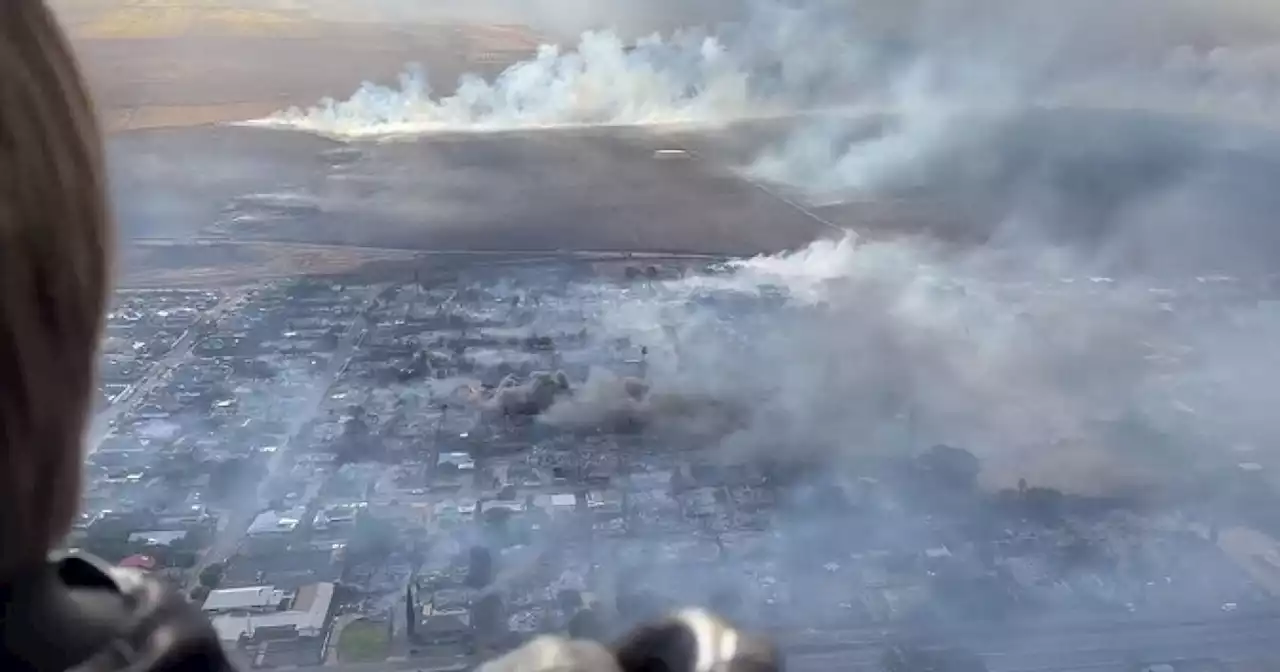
[[80, 614]]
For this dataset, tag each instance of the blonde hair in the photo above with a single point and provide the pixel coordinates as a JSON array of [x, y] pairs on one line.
[[55, 237]]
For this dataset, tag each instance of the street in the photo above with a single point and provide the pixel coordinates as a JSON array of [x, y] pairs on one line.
[[101, 428], [238, 520]]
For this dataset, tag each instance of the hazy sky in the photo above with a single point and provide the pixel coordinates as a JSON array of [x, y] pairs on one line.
[[1136, 21]]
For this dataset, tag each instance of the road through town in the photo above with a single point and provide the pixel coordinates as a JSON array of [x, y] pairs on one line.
[[232, 531], [101, 426]]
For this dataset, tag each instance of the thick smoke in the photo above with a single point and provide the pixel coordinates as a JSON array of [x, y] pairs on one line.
[[933, 74], [830, 158], [847, 356], [971, 69], [1108, 334], [600, 82], [1021, 350], [776, 63], [880, 348]]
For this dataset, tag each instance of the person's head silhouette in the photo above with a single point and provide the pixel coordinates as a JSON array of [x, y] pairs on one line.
[[62, 613], [55, 235]]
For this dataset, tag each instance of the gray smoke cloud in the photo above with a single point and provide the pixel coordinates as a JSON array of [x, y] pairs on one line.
[[775, 62], [849, 355], [1105, 328], [850, 351], [1097, 200], [930, 75], [968, 69]]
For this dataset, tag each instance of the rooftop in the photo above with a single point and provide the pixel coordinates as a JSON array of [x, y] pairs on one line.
[[308, 617], [270, 522], [158, 537], [252, 597]]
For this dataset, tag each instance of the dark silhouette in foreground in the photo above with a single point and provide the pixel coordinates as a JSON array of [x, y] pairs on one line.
[[62, 613], [691, 640]]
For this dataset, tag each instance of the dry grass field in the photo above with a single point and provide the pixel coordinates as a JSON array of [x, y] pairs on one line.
[[211, 264], [166, 63]]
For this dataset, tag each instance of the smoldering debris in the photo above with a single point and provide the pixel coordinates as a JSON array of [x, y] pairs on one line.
[[847, 351], [626, 404], [612, 403], [513, 397], [1076, 381], [1011, 346]]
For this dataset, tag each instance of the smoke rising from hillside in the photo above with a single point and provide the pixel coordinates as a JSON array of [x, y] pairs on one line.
[[782, 52], [993, 348], [1106, 338], [776, 62], [599, 82], [933, 73]]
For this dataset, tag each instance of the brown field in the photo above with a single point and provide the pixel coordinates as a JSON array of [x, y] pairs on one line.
[[158, 63], [211, 264], [166, 74]]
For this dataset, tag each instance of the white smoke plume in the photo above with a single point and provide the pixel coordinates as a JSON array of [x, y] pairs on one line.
[[830, 158], [602, 82], [977, 66], [773, 64], [932, 73]]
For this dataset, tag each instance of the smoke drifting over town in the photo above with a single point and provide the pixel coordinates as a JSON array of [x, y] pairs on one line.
[[1026, 368], [886, 347], [1034, 346]]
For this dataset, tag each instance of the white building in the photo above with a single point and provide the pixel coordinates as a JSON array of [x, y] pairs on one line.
[[253, 599], [270, 523], [492, 504], [604, 501], [462, 461], [556, 504], [308, 615]]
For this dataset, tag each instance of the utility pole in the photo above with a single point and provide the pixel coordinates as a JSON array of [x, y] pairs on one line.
[[674, 337], [410, 612], [444, 415]]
